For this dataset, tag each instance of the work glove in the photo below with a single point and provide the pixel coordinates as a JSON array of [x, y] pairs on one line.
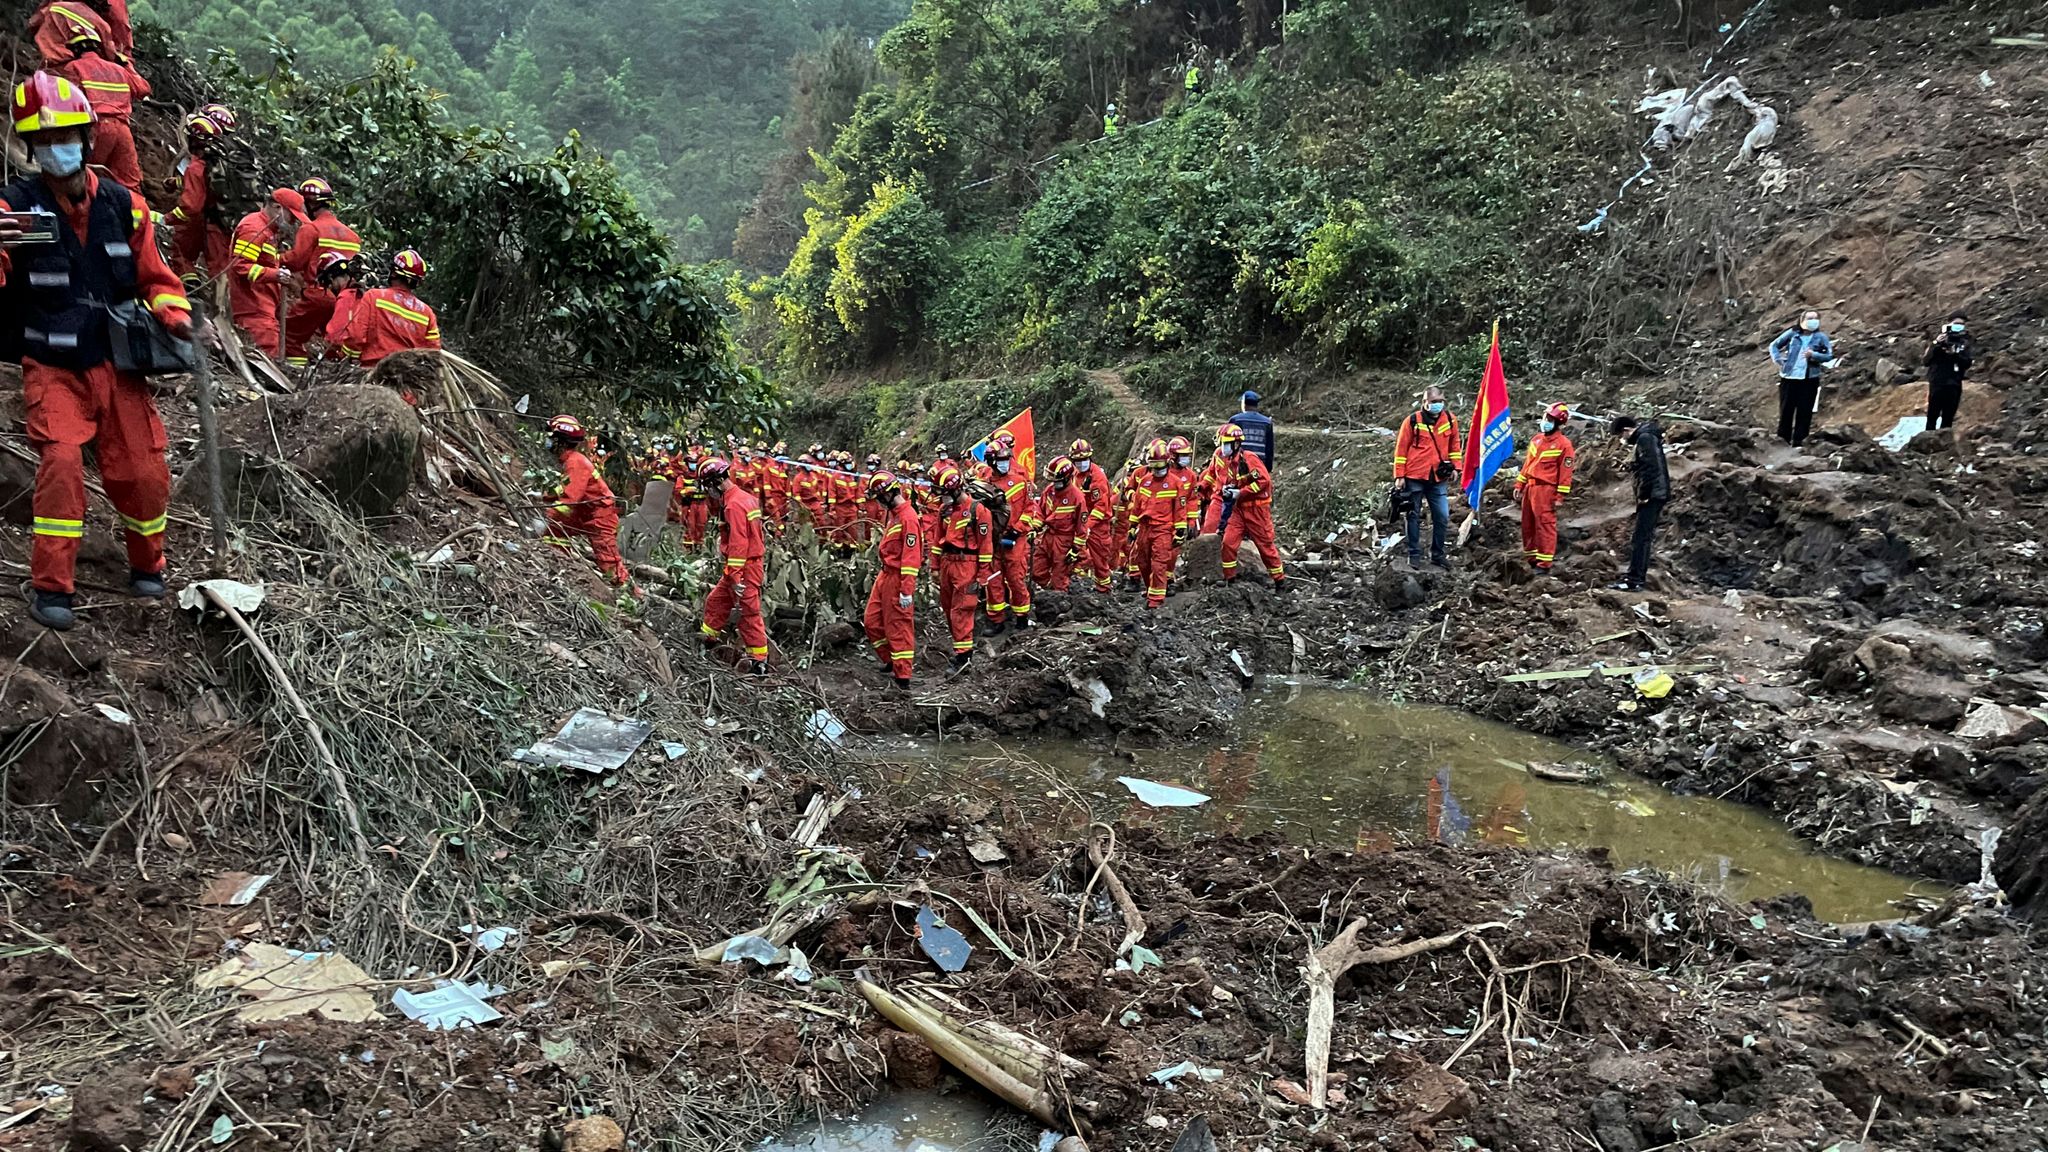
[[904, 601], [1230, 495], [739, 588], [1134, 534], [1180, 535], [1074, 554]]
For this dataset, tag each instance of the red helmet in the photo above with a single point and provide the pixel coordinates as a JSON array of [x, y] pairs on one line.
[[84, 34], [1002, 446], [316, 192], [222, 115], [333, 264], [46, 101], [714, 468], [883, 484], [1158, 452], [1230, 434], [1060, 470], [409, 264], [1180, 446], [949, 478], [1559, 413], [201, 128], [1081, 450], [567, 428]]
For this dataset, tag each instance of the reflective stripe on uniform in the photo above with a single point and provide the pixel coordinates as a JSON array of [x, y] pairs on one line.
[[397, 309], [64, 529]]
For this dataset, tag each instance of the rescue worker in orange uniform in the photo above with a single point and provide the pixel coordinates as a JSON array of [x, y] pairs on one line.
[[924, 496], [871, 520], [1545, 481], [197, 230], [1182, 450], [393, 318], [1009, 594], [113, 87], [53, 321], [257, 277], [780, 476], [1063, 524], [584, 505], [55, 25], [1159, 520], [1123, 496], [1243, 491], [340, 277], [1098, 543], [745, 471], [890, 624], [966, 541], [843, 507], [742, 539], [696, 515], [807, 487], [1429, 453], [323, 234]]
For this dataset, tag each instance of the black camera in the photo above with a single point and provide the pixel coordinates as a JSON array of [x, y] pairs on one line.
[[1446, 472]]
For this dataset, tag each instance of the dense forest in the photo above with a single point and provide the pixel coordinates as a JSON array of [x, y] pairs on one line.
[[684, 96]]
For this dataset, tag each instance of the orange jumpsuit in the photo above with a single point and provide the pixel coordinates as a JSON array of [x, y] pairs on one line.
[[842, 510], [891, 627], [775, 498], [1160, 507], [113, 89], [741, 539], [53, 26], [807, 487], [310, 314], [1064, 514], [1545, 481], [255, 294], [338, 322], [1125, 495], [74, 395], [966, 559], [747, 474], [1010, 592], [1099, 557], [1252, 513], [388, 320], [195, 235], [697, 508], [586, 508]]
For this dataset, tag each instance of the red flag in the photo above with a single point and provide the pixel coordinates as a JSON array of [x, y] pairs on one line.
[[1020, 429]]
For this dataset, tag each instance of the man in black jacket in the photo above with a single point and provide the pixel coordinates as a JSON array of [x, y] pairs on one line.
[[1948, 360], [1653, 489]]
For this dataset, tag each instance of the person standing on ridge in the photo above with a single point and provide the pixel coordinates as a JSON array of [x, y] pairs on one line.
[[584, 504], [113, 87], [1802, 355], [1545, 480], [257, 276], [1257, 426], [56, 290], [1948, 361], [324, 234], [1244, 497], [1099, 553], [967, 557], [1428, 455], [394, 318], [1063, 519], [1013, 536], [745, 546], [891, 627], [1652, 474]]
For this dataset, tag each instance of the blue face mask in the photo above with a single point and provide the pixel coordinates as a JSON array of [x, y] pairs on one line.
[[1227, 450], [1549, 425], [1436, 408], [60, 159], [1003, 467], [1956, 328]]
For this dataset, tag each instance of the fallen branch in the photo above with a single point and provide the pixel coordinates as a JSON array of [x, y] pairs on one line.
[[1919, 1035], [344, 797], [961, 1053], [1134, 920], [1328, 964]]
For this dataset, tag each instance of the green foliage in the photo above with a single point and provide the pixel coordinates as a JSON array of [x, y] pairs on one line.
[[886, 264], [1350, 39]]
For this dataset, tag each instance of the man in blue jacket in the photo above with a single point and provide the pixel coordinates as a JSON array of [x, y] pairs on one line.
[[1258, 429], [1801, 354]]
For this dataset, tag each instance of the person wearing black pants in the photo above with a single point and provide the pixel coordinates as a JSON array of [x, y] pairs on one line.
[[1653, 490], [1801, 354], [1948, 361]]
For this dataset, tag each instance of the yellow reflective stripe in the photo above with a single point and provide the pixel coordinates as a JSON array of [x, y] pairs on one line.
[[255, 272], [706, 630], [754, 515], [244, 248], [103, 86], [66, 529], [894, 529], [169, 300], [397, 309], [339, 245], [434, 333], [1551, 453], [902, 655], [1563, 489], [145, 527], [907, 571], [736, 562]]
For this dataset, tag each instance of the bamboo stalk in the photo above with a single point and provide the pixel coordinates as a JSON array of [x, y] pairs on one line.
[[954, 1049]]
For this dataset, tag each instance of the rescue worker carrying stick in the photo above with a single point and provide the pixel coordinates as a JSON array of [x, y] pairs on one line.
[[1010, 592], [1099, 554], [1545, 481], [1243, 488], [966, 554], [1063, 518], [1159, 521], [891, 626], [745, 546], [98, 251], [257, 276], [584, 504]]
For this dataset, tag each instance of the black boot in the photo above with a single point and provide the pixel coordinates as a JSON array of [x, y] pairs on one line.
[[1023, 622], [995, 627], [757, 668], [960, 660], [53, 610], [149, 585], [903, 683]]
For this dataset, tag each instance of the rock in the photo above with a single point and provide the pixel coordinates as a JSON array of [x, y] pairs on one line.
[[106, 1114], [1426, 1094], [1998, 724], [1933, 442], [912, 1063], [1942, 762], [357, 441], [2021, 867], [593, 1134], [1397, 590], [1204, 557], [17, 489], [1921, 698], [73, 757], [1888, 373], [1878, 654]]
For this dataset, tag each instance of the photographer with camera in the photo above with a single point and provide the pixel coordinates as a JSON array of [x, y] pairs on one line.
[[1428, 455], [1948, 361]]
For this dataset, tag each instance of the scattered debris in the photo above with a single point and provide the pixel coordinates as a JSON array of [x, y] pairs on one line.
[[941, 941], [448, 1006], [1574, 773], [233, 889], [243, 598], [591, 741], [1186, 1068], [984, 850], [1988, 720], [114, 714], [593, 1134], [1604, 670], [490, 939], [1653, 683], [1162, 795], [284, 982], [823, 725]]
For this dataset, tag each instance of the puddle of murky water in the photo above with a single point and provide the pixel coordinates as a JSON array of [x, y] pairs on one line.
[[1330, 766], [910, 1121]]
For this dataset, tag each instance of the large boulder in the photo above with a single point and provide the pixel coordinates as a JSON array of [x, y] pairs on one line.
[[357, 441]]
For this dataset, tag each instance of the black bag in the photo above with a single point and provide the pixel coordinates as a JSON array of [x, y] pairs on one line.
[[142, 344], [1400, 501]]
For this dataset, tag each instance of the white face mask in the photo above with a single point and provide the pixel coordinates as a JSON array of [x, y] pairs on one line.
[[1184, 461], [1956, 328], [1811, 324]]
